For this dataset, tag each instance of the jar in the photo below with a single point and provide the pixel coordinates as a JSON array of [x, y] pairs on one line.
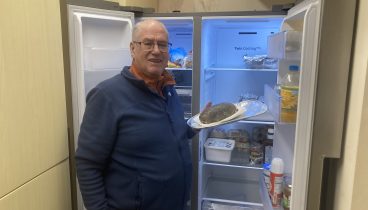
[[286, 192]]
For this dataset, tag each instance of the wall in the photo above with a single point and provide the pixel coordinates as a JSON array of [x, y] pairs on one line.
[[352, 172], [139, 3], [34, 155], [217, 5]]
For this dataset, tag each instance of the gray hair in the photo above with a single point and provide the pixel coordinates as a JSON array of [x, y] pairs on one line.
[[138, 26]]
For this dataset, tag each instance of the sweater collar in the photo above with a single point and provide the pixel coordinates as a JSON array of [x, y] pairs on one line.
[[154, 84]]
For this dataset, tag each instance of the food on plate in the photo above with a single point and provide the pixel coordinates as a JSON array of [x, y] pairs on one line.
[[217, 113], [218, 133]]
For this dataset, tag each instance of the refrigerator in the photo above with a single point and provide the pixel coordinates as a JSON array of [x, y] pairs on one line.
[[230, 57]]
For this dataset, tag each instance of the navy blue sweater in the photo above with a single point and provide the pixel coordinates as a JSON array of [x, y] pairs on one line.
[[133, 151]]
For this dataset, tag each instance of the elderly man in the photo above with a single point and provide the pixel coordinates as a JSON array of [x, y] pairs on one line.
[[133, 150]]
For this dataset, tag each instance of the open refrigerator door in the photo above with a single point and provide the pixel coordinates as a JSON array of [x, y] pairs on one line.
[[235, 68], [98, 48], [268, 46]]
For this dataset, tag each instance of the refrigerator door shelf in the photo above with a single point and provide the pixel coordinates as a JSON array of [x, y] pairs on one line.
[[106, 58], [217, 205], [267, 205], [273, 100], [285, 45]]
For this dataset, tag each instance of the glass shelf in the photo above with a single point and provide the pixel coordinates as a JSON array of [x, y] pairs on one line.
[[238, 159], [239, 69], [240, 191]]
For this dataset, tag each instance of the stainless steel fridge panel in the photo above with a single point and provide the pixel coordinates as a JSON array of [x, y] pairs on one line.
[[197, 30]]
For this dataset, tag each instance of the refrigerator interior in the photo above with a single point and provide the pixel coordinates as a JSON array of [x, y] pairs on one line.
[[180, 31], [235, 66], [181, 53]]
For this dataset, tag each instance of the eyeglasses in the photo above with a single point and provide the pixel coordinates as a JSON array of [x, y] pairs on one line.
[[149, 45]]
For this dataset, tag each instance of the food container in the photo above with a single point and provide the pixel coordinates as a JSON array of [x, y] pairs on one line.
[[241, 138], [219, 149]]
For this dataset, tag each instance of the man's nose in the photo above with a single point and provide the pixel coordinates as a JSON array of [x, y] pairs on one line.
[[155, 48]]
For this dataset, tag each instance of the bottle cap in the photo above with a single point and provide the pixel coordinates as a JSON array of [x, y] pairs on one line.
[[277, 166], [294, 68]]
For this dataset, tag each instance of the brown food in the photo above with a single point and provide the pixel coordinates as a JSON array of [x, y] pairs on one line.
[[217, 113]]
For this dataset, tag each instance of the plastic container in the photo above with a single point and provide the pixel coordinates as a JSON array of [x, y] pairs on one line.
[[289, 91], [285, 45], [219, 149]]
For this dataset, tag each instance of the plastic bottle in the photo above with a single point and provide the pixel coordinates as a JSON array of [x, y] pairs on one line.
[[276, 181], [289, 91]]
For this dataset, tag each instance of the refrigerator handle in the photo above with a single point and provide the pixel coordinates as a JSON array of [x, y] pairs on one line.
[[335, 47]]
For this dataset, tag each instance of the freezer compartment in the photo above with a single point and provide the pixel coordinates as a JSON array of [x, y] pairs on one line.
[[212, 205], [231, 185], [285, 45], [94, 77], [106, 58]]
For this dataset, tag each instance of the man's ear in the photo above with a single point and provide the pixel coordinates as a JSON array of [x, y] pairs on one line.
[[132, 46]]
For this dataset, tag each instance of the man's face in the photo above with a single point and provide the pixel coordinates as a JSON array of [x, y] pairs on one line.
[[150, 61]]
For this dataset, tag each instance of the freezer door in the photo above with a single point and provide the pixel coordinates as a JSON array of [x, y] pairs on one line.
[[327, 27], [99, 48]]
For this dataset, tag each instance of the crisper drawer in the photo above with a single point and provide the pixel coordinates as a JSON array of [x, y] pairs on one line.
[[213, 205], [232, 185]]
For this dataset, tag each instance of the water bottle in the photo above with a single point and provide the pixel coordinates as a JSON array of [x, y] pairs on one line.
[[289, 91]]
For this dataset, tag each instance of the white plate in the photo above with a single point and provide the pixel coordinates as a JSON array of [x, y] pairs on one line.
[[246, 109]]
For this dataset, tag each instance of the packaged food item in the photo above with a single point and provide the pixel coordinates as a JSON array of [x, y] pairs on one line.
[[188, 60], [177, 56], [259, 133], [241, 138], [218, 133], [255, 154], [268, 145], [259, 62], [276, 181], [289, 91]]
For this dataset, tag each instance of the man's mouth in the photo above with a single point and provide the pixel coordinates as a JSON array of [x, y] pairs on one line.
[[155, 60]]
